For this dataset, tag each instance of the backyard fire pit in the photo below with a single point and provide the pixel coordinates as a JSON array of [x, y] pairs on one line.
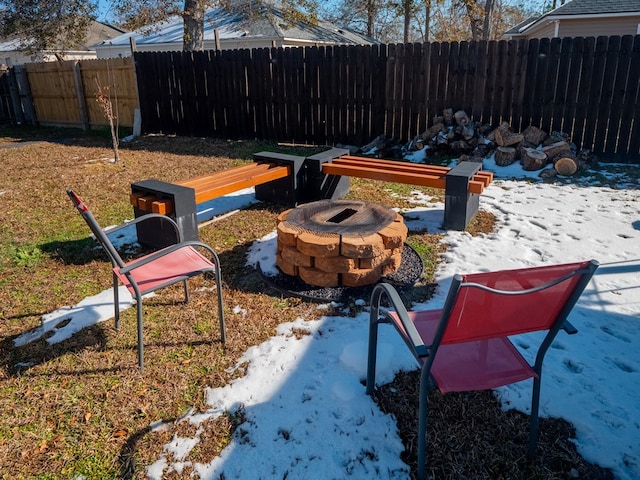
[[340, 242]]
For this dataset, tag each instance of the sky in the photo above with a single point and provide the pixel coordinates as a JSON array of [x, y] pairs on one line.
[[307, 414], [106, 11]]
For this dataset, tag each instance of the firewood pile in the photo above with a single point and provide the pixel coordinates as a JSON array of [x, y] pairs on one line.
[[456, 133]]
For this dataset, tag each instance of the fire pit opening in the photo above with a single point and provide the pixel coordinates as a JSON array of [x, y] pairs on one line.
[[343, 215], [340, 242]]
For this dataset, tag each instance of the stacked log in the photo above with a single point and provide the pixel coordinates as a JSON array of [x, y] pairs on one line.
[[505, 156], [533, 159], [456, 132], [566, 163], [505, 137]]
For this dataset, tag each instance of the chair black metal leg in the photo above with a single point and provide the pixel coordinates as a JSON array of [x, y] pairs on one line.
[[223, 328], [140, 337], [116, 302], [535, 407], [372, 353], [186, 291], [422, 423]]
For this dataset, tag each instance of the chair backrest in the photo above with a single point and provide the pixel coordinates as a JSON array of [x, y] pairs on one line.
[[509, 302], [101, 237]]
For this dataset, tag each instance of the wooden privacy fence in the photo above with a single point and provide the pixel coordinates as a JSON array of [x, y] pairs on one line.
[[586, 87], [65, 93]]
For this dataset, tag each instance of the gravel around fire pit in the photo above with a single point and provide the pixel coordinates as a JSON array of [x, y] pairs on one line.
[[406, 276]]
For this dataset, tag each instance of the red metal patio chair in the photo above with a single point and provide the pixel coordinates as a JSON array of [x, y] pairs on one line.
[[168, 266], [464, 346]]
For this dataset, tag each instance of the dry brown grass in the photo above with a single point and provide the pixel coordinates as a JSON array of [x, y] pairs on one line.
[[82, 407]]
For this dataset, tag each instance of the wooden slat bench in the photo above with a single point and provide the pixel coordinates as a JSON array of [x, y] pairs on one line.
[[462, 184], [218, 184], [402, 172], [274, 176]]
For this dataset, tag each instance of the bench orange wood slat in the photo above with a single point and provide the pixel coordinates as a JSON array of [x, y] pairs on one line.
[[163, 207], [392, 164], [134, 197], [401, 172], [484, 176], [208, 187], [144, 202], [219, 178], [269, 175], [377, 173]]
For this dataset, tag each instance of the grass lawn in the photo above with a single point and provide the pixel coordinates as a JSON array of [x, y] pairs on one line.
[[81, 408]]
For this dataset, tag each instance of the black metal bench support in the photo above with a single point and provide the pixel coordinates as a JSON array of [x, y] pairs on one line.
[[156, 233], [460, 206]]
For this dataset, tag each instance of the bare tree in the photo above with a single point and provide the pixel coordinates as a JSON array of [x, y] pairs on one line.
[[486, 28], [193, 16]]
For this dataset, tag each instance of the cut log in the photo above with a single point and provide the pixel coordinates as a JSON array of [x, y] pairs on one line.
[[587, 158], [566, 163], [533, 159], [534, 135], [482, 150], [460, 146], [555, 148], [433, 131], [447, 116], [469, 131], [418, 143], [484, 129], [441, 139], [379, 143], [556, 136], [461, 117], [521, 146], [505, 156], [504, 137]]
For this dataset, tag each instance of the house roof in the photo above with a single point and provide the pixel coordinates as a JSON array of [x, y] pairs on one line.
[[596, 7], [97, 32], [243, 22], [580, 8]]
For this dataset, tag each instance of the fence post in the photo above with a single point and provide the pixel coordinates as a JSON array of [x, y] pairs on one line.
[[137, 114], [18, 115], [82, 107], [24, 94]]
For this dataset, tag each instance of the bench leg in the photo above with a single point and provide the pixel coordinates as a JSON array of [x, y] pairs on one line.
[[156, 233], [320, 186], [460, 206]]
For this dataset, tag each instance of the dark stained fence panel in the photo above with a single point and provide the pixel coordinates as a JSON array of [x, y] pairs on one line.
[[625, 142], [326, 95]]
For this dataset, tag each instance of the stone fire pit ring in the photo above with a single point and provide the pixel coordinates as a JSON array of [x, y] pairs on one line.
[[340, 242]]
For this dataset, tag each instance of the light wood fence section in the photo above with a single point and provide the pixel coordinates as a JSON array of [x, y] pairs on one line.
[[65, 93]]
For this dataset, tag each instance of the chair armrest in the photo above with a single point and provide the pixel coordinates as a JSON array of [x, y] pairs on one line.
[[568, 327], [148, 216], [411, 333], [161, 253]]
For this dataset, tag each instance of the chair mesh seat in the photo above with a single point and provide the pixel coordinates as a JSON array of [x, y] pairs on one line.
[[168, 269], [477, 365]]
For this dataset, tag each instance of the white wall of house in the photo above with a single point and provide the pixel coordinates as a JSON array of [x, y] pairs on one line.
[[582, 26]]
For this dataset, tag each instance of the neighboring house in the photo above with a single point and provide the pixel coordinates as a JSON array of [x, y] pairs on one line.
[[11, 53], [582, 18], [262, 25]]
